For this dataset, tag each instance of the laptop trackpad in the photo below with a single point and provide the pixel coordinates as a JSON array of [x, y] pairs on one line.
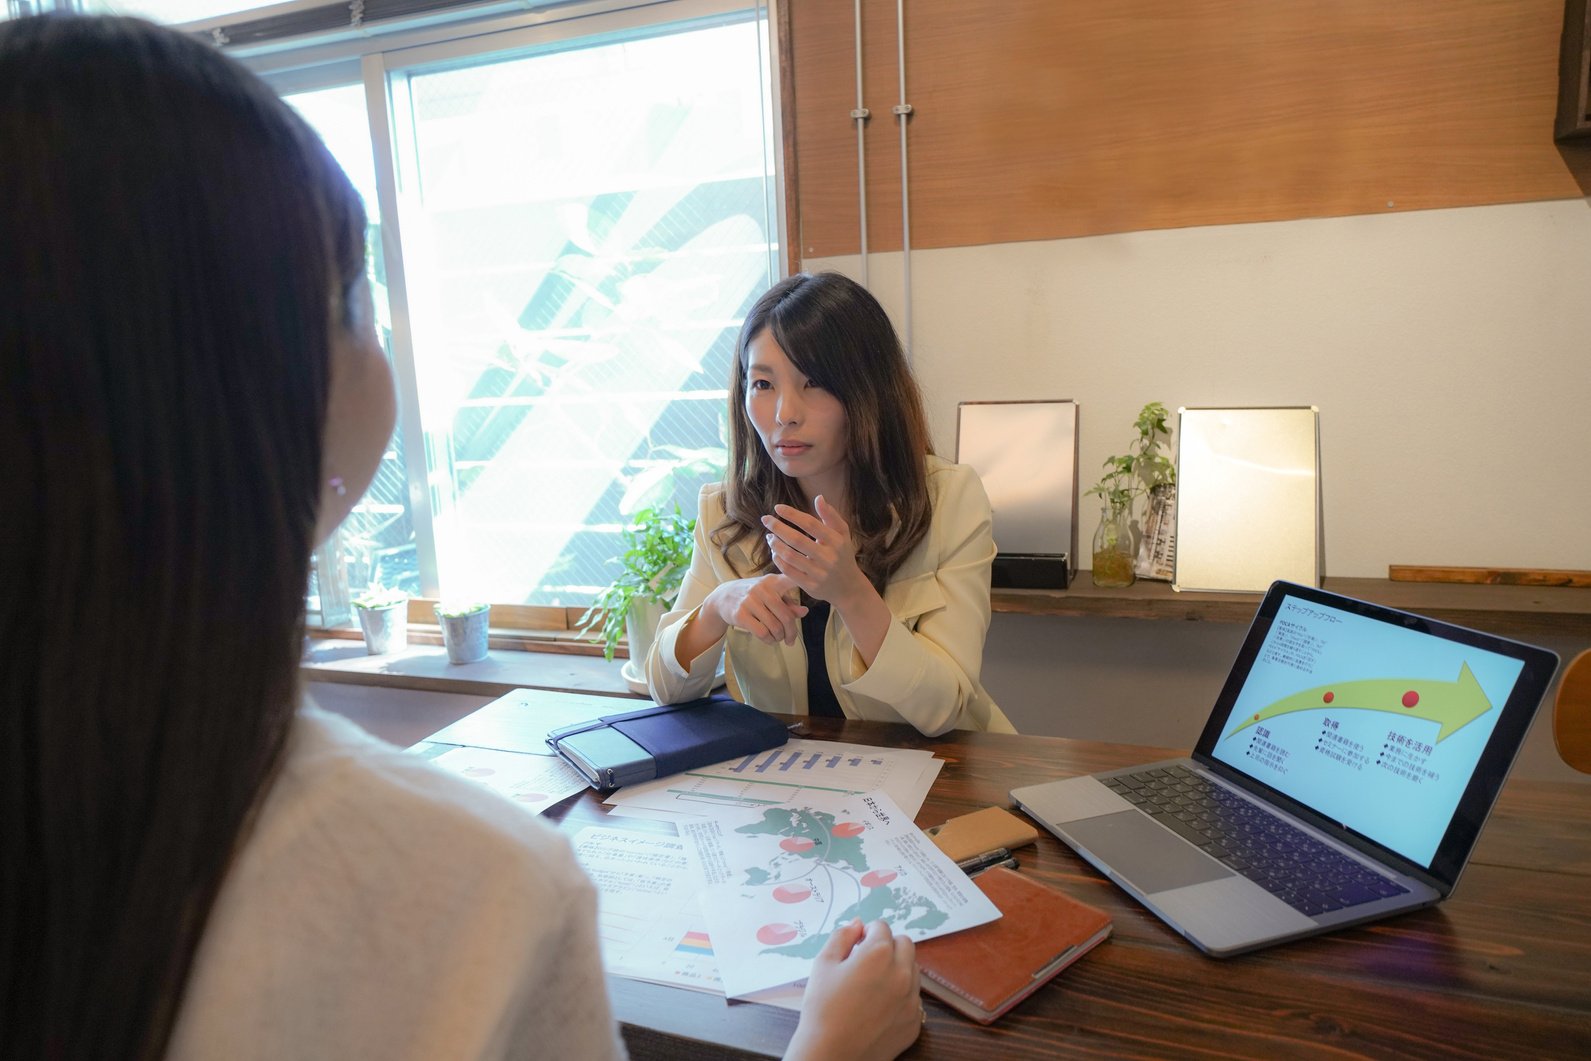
[[1144, 853]]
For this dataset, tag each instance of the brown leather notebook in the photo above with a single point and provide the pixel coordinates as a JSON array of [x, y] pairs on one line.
[[984, 971]]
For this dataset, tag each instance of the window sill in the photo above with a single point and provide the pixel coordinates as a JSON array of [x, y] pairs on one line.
[[556, 664]]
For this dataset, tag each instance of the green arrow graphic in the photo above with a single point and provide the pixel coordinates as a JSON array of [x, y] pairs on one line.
[[1453, 704]]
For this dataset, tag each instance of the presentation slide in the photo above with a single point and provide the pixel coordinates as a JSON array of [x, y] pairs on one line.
[[1376, 726]]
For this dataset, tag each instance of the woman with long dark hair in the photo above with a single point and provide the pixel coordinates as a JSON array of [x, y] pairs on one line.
[[841, 567], [192, 395]]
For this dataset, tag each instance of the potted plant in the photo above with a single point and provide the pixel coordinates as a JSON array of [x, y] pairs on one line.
[[384, 618], [1140, 472], [464, 630], [656, 556]]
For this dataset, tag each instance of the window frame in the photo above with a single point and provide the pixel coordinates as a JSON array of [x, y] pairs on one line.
[[380, 64]]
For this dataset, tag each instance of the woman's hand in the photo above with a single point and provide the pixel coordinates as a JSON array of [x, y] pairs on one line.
[[761, 606], [861, 1000], [816, 552]]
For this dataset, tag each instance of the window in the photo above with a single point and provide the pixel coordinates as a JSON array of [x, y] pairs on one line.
[[171, 12], [571, 211], [375, 544], [584, 227]]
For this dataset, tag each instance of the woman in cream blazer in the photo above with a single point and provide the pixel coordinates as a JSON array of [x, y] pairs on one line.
[[842, 506]]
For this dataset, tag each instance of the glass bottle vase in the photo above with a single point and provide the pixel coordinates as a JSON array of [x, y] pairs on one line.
[[1113, 549]]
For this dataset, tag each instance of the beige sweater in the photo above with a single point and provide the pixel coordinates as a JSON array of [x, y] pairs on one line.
[[383, 908]]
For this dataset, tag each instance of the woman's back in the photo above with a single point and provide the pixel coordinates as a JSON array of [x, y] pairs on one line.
[[382, 908]]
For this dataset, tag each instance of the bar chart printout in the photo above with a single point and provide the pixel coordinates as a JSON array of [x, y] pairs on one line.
[[787, 774]]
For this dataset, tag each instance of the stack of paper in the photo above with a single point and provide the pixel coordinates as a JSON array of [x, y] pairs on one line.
[[736, 874]]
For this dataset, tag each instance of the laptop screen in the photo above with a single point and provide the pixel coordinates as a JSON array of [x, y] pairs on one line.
[[1374, 719]]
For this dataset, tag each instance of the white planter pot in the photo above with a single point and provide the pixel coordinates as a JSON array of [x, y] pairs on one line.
[[640, 627], [465, 636], [386, 629]]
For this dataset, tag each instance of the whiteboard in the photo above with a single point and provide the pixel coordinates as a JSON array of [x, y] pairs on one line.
[[1026, 454], [1248, 498]]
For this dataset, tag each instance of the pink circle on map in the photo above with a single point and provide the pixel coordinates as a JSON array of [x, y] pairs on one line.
[[796, 844], [849, 829], [792, 893], [774, 934], [877, 878], [1329, 697], [1411, 698]]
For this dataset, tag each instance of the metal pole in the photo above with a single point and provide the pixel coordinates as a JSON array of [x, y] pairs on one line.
[[859, 114], [902, 111]]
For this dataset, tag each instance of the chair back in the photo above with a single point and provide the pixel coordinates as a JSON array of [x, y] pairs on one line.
[[1571, 714]]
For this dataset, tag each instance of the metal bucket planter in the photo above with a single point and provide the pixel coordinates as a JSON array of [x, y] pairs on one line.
[[386, 627], [464, 633]]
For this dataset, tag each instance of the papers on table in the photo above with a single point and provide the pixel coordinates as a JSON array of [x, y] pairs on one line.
[[535, 782], [519, 721], [797, 872], [736, 874], [649, 921], [789, 774]]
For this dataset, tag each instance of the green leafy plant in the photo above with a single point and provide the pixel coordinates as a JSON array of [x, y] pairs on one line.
[[656, 556], [1143, 469], [379, 597], [459, 611]]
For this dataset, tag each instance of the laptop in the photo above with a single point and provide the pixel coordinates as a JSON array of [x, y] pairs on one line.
[[1343, 776]]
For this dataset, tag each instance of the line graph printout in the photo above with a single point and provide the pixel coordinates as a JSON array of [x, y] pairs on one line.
[[1374, 726], [789, 774], [796, 873]]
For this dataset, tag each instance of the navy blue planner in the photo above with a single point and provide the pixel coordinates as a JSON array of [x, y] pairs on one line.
[[616, 750]]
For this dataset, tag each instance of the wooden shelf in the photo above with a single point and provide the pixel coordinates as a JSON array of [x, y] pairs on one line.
[[426, 667], [1512, 611]]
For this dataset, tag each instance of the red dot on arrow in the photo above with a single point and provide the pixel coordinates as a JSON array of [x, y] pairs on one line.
[[1411, 698], [1329, 697]]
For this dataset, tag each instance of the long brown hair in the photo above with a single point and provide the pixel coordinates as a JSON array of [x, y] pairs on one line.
[[836, 334], [173, 240]]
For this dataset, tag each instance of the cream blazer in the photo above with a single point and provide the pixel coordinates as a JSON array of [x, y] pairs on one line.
[[926, 671]]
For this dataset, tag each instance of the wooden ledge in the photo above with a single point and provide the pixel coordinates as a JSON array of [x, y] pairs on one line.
[[1511, 611], [426, 667]]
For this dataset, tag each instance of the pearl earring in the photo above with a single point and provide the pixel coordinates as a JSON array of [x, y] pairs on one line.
[[336, 483]]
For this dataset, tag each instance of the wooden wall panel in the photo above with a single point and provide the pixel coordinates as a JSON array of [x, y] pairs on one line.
[[1043, 119]]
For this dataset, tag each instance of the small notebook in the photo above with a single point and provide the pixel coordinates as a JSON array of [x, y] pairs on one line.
[[980, 832], [656, 741], [984, 971]]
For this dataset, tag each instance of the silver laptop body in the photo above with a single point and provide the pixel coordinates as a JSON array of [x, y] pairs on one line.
[[1383, 737]]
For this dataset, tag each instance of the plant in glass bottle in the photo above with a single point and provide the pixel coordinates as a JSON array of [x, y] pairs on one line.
[[1128, 477]]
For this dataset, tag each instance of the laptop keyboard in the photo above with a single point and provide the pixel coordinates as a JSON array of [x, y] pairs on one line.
[[1311, 877]]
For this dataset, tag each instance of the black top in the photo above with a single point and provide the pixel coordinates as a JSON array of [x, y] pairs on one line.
[[821, 700]]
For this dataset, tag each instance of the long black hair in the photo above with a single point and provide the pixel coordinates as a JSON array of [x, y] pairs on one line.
[[835, 333], [175, 248]]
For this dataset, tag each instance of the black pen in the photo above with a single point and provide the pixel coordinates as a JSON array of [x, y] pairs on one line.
[[983, 861], [1008, 863]]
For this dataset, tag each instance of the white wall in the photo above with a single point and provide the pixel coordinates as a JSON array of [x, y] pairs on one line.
[[1449, 352]]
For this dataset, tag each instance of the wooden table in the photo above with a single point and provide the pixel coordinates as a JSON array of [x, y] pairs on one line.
[[1501, 970]]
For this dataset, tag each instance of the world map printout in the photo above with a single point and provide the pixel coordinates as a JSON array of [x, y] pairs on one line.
[[793, 874]]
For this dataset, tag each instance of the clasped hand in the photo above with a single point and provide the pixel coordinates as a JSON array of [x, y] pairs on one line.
[[815, 552], [811, 553]]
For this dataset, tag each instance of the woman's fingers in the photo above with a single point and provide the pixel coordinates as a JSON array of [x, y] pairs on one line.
[[768, 606]]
